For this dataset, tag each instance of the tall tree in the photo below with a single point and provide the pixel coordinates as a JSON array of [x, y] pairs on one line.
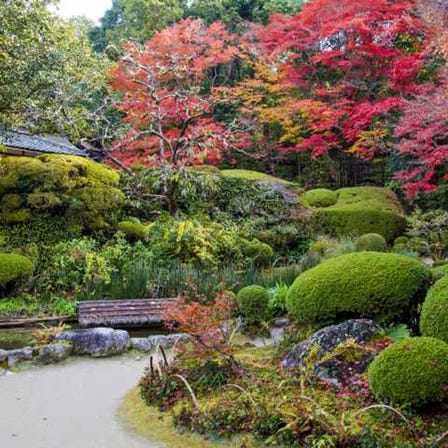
[[165, 98]]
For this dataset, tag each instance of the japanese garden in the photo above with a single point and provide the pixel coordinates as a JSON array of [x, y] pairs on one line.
[[224, 223]]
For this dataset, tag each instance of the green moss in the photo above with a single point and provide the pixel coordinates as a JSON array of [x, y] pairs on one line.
[[14, 268], [135, 231], [440, 271], [320, 197], [363, 210], [379, 286], [256, 176], [84, 192], [434, 316], [253, 303], [371, 242], [411, 372]]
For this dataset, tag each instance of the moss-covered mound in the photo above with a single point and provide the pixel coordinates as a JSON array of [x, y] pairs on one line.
[[134, 231], [413, 372], [84, 192], [371, 242], [362, 210], [253, 304], [14, 268], [257, 176], [380, 286], [320, 197], [434, 316]]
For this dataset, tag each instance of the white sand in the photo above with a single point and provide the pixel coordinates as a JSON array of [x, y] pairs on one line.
[[72, 405]]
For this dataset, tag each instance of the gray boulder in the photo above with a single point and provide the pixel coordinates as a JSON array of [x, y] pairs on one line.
[[338, 352], [17, 356], [97, 342], [52, 353], [150, 343], [3, 355]]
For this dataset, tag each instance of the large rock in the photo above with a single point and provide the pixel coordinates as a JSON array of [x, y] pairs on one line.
[[97, 342], [17, 356], [337, 352], [52, 353], [150, 343]]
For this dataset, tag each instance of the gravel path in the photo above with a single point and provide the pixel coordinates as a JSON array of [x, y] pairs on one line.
[[73, 405]]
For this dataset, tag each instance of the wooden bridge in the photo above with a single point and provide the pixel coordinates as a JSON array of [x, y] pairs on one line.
[[125, 313]]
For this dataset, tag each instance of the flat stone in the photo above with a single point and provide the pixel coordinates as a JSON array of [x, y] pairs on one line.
[[337, 352], [150, 343], [17, 356], [281, 322], [53, 353], [97, 342]]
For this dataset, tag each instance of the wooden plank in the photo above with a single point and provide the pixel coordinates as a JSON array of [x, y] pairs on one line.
[[33, 321]]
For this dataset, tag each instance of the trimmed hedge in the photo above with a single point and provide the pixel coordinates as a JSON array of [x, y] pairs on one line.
[[320, 197], [371, 242], [258, 176], [362, 210], [381, 286], [253, 304], [13, 268], [434, 316], [412, 372]]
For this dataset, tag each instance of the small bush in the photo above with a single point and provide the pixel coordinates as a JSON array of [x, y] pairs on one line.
[[14, 268], [401, 240], [383, 287], [260, 253], [320, 197], [419, 246], [411, 372], [434, 316], [440, 271], [362, 210], [253, 304], [134, 231], [371, 242]]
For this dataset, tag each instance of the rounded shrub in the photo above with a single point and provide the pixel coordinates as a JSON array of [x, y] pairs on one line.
[[253, 304], [320, 197], [411, 372], [381, 286], [440, 271], [14, 268], [260, 253], [134, 231], [419, 246], [361, 210], [434, 316], [401, 240], [371, 242]]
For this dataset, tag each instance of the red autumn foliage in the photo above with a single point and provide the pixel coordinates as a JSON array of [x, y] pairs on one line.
[[165, 100], [207, 324], [348, 65]]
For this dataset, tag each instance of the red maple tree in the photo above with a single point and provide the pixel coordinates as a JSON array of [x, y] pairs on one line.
[[348, 65], [165, 101]]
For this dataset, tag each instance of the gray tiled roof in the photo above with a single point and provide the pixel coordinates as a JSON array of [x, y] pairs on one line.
[[22, 140]]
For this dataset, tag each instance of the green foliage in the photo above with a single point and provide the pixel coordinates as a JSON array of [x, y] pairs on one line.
[[418, 245], [82, 191], [431, 227], [320, 197], [283, 238], [259, 253], [371, 242], [440, 271], [277, 299], [134, 231], [383, 287], [255, 176], [434, 315], [253, 304], [362, 210], [411, 372], [13, 269]]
